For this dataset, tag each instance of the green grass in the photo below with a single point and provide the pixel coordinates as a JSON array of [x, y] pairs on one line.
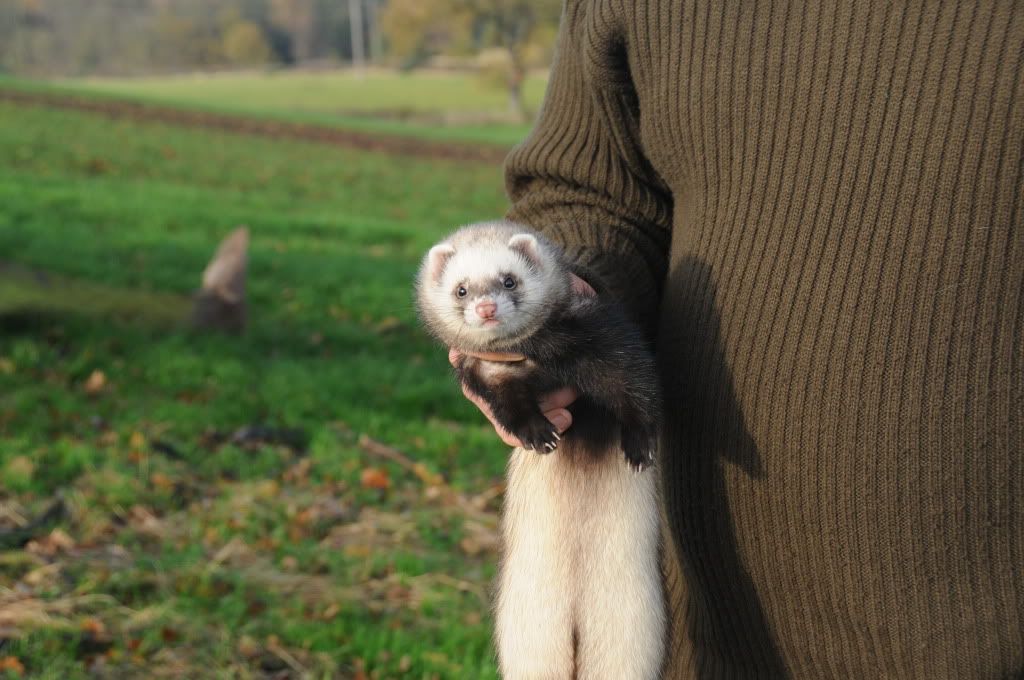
[[189, 556], [433, 105]]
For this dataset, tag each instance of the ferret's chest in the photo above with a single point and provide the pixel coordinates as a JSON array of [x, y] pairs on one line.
[[497, 372]]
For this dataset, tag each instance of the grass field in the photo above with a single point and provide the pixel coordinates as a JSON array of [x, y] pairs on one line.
[[144, 531], [435, 105]]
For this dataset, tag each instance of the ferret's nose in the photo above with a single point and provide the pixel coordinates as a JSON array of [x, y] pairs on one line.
[[486, 309]]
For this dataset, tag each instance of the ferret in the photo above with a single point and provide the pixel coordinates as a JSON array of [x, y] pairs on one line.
[[579, 588]]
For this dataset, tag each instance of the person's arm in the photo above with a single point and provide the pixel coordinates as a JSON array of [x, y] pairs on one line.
[[581, 177]]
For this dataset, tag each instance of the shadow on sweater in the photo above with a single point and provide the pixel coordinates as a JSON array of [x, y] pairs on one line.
[[724, 632]]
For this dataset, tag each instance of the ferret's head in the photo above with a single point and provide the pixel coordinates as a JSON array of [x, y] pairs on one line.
[[490, 286]]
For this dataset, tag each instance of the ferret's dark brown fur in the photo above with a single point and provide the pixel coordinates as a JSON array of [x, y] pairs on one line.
[[584, 342]]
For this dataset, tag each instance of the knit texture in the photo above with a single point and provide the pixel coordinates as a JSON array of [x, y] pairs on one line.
[[816, 209]]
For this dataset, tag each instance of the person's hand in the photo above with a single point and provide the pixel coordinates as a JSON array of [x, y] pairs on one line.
[[553, 405]]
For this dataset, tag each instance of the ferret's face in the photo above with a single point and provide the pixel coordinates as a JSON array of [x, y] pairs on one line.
[[485, 294]]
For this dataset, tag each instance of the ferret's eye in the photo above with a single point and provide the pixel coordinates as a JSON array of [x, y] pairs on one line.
[[509, 283], [461, 291]]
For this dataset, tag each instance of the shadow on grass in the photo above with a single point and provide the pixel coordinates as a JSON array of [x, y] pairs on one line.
[[26, 294]]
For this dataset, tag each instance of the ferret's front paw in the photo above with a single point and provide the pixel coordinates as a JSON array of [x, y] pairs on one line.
[[638, 447], [538, 435]]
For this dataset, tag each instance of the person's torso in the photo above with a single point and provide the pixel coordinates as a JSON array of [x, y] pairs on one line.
[[842, 327]]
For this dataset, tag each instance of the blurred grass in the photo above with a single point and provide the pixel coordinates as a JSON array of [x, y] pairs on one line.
[[182, 553], [427, 104]]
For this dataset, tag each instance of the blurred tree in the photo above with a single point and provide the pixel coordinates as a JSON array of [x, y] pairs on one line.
[[521, 29], [244, 44], [62, 37], [296, 18], [418, 29]]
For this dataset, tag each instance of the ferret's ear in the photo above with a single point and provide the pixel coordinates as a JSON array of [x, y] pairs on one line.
[[437, 259], [528, 246]]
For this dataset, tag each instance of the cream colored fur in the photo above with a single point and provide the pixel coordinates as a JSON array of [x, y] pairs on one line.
[[580, 554]]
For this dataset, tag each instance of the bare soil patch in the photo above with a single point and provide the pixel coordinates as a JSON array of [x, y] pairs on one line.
[[391, 144]]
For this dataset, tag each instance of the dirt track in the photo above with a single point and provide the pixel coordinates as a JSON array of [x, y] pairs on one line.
[[393, 144]]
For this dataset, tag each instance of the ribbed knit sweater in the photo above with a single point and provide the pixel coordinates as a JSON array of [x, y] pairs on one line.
[[816, 209]]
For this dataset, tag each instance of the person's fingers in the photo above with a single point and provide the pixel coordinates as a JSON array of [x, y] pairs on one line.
[[497, 356], [551, 405], [581, 287], [503, 434], [454, 355], [560, 418], [558, 399]]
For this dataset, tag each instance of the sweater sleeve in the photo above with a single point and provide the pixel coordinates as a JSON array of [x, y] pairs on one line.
[[581, 177]]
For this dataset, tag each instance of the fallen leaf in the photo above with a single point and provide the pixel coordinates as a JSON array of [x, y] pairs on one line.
[[268, 489], [95, 383], [136, 441], [405, 663], [7, 368], [470, 547], [358, 550], [20, 467], [161, 481], [374, 478], [248, 647], [55, 542], [298, 472], [11, 663], [93, 626], [388, 324], [144, 521], [97, 166]]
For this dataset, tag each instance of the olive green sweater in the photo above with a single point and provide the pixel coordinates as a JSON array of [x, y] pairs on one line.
[[816, 208]]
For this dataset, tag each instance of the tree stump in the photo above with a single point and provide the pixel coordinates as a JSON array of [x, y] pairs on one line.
[[220, 304]]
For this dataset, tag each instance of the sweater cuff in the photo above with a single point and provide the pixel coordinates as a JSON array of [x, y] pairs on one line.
[[608, 259]]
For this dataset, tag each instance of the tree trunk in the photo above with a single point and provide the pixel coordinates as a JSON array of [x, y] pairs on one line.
[[517, 108], [220, 303], [355, 23]]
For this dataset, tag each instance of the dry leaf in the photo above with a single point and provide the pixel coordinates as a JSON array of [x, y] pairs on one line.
[[93, 626], [374, 478], [248, 647], [358, 550], [136, 441], [144, 521], [298, 472], [11, 663], [268, 489], [387, 324], [161, 481], [56, 542], [95, 383], [21, 467]]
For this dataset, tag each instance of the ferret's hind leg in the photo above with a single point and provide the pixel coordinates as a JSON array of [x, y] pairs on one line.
[[621, 620], [537, 584]]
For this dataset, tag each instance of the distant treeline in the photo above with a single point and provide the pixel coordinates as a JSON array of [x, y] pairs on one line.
[[118, 37], [74, 37]]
